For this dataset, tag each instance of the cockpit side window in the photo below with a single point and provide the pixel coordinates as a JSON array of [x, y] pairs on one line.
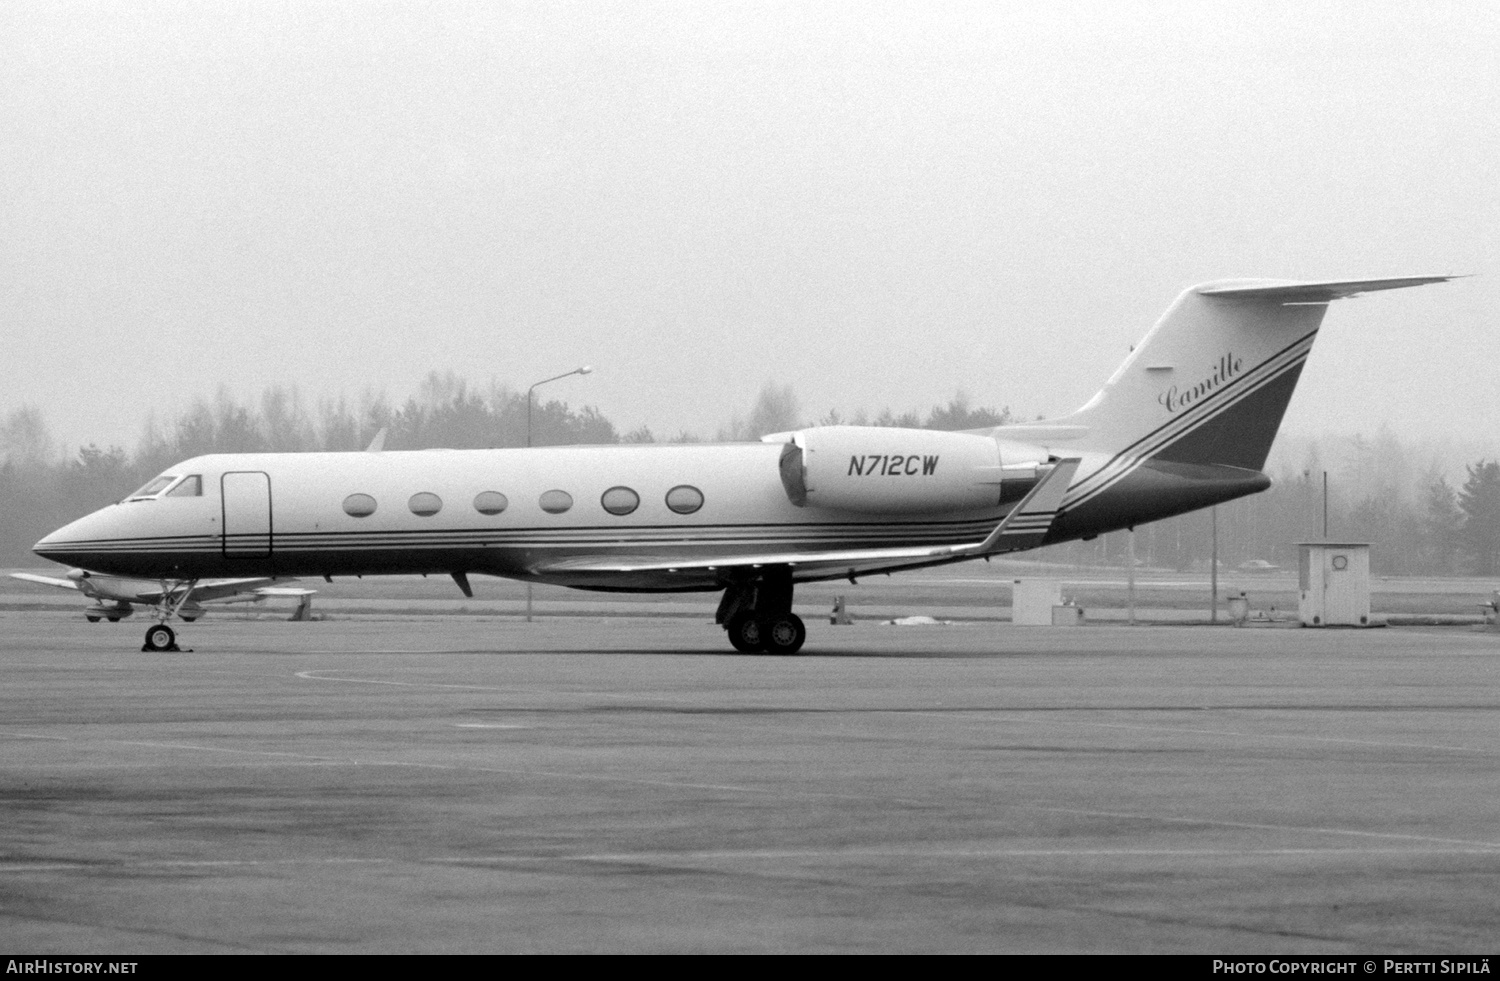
[[154, 488], [190, 486]]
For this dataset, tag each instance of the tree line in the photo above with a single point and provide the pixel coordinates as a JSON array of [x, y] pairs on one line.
[[1381, 490]]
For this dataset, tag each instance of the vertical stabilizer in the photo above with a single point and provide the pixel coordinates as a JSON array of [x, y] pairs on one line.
[[1211, 381], [1188, 420]]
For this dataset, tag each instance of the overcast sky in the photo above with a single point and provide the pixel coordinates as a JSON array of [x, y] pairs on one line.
[[877, 204]]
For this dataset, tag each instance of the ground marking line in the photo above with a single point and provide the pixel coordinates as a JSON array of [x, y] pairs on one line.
[[315, 675], [108, 864], [1023, 717], [1081, 724], [456, 767], [30, 735], [238, 764], [224, 749], [668, 858], [1275, 735], [999, 853], [1253, 826]]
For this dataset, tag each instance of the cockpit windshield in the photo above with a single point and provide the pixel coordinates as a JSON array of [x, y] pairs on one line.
[[190, 486], [155, 487]]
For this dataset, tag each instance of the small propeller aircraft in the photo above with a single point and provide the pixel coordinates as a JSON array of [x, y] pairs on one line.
[[1186, 422], [116, 597]]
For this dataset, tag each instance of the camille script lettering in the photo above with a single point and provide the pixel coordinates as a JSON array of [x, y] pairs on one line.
[[1176, 399]]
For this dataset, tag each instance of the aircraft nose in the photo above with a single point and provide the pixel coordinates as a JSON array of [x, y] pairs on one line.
[[122, 540], [77, 543], [54, 544]]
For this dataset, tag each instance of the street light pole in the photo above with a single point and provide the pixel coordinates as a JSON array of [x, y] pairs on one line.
[[584, 370]]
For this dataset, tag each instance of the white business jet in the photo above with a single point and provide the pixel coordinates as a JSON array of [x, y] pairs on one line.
[[116, 597], [1186, 422]]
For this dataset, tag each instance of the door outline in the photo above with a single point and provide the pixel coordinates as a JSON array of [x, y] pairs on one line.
[[255, 543]]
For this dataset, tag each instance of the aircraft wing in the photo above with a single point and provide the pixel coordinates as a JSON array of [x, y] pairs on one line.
[[45, 580], [212, 589], [1024, 527], [859, 560]]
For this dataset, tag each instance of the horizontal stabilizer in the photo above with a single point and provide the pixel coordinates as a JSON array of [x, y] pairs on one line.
[[1290, 291]]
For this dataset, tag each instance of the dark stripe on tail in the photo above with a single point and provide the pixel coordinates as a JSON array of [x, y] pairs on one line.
[[1240, 435]]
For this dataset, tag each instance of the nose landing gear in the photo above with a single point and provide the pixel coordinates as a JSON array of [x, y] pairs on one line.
[[159, 636]]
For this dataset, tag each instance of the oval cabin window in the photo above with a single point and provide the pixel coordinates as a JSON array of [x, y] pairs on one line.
[[359, 505], [684, 499], [425, 504], [556, 501], [620, 500], [490, 502]]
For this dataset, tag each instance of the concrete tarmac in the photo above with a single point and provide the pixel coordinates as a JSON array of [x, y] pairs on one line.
[[474, 784]]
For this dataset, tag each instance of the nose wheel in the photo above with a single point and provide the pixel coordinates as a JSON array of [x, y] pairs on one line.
[[160, 637], [174, 596]]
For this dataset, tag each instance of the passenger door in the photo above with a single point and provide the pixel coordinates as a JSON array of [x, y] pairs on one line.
[[247, 514]]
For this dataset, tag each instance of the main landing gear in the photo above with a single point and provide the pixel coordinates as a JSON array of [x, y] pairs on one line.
[[758, 616]]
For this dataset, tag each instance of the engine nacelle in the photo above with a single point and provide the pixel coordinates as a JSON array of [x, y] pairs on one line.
[[879, 470]]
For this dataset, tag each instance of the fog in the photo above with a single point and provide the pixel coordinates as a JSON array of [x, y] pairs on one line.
[[877, 205]]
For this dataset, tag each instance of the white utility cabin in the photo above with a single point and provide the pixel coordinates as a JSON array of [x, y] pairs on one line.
[[1333, 580]]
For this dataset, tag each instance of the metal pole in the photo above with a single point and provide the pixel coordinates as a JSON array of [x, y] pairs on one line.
[[528, 446], [1213, 610], [1325, 505], [576, 371], [1130, 576]]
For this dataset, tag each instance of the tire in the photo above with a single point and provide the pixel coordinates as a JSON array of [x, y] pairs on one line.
[[160, 638], [113, 619], [746, 634], [784, 634], [188, 619], [91, 619]]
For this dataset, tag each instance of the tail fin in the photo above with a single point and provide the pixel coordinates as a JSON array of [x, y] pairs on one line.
[[1211, 381]]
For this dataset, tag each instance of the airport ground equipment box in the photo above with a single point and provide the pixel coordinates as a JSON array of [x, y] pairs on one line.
[[1333, 583]]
